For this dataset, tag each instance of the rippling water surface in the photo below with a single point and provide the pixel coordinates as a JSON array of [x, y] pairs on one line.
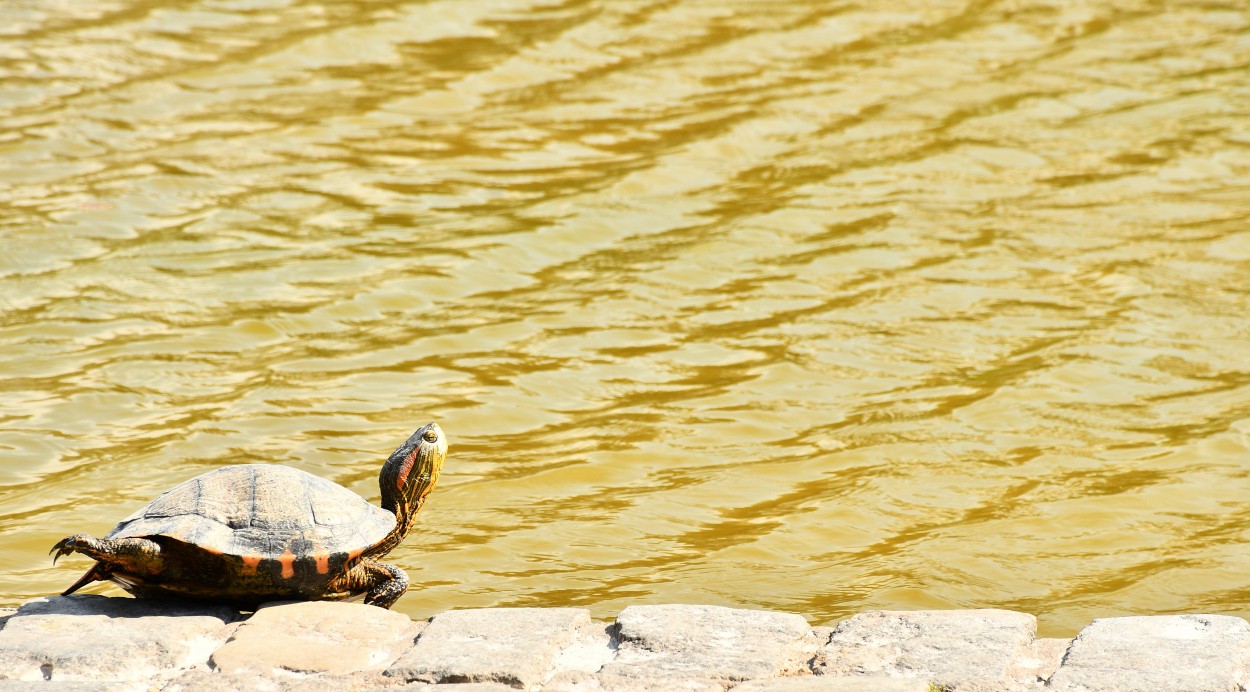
[[813, 306]]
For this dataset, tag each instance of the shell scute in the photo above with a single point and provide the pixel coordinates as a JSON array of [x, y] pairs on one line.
[[261, 510]]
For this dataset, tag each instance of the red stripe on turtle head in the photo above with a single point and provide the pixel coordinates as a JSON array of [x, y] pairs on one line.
[[405, 468]]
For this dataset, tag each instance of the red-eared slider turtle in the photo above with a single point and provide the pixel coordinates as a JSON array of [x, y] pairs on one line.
[[249, 534]]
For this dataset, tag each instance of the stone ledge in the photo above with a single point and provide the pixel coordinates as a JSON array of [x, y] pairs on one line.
[[98, 643]]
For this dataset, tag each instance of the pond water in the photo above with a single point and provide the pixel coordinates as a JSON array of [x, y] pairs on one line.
[[803, 305]]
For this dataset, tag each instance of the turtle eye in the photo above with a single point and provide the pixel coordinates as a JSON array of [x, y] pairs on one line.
[[430, 436]]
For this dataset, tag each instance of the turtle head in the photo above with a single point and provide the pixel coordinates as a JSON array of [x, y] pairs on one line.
[[411, 472]]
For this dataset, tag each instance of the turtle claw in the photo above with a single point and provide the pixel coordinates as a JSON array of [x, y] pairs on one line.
[[65, 546]]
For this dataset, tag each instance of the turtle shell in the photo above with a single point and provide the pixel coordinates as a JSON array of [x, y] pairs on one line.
[[260, 520]]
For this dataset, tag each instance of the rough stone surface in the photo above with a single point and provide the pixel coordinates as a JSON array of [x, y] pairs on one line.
[[945, 647], [458, 687], [1040, 661], [581, 681], [1156, 654], [5, 614], [709, 643], [97, 644], [592, 647], [1027, 673], [513, 646], [74, 686], [461, 687], [327, 638], [822, 633], [103, 639], [825, 683], [204, 680], [208, 681]]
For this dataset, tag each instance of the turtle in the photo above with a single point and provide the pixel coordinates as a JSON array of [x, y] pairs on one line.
[[248, 534]]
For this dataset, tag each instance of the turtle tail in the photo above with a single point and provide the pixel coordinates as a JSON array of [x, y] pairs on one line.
[[96, 573]]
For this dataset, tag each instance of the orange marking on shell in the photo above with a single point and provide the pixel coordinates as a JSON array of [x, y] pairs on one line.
[[354, 554], [323, 561], [287, 560], [250, 563]]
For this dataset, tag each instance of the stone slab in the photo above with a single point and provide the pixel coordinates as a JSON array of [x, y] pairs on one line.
[[330, 638], [511, 646], [822, 633], [709, 643], [1027, 673], [204, 680], [458, 687], [67, 686], [581, 681], [1041, 660], [99, 639], [1158, 653], [827, 683], [98, 644], [591, 648], [945, 647]]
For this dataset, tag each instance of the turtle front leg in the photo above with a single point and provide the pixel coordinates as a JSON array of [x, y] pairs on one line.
[[131, 555], [382, 584]]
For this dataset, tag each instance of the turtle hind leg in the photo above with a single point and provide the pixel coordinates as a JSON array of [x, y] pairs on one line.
[[132, 555], [98, 572], [381, 584]]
